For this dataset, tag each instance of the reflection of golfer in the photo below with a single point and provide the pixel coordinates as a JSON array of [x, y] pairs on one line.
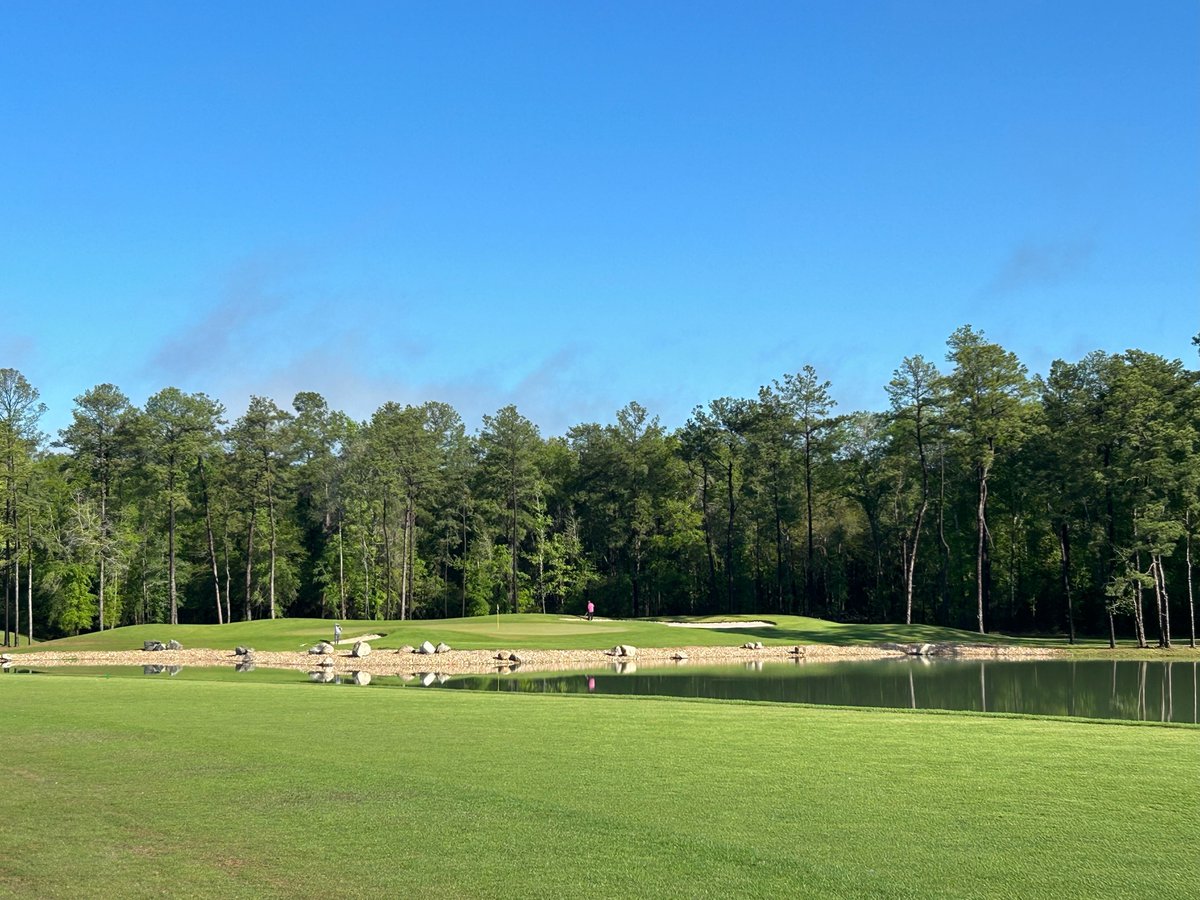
[[591, 609], [337, 634], [591, 684]]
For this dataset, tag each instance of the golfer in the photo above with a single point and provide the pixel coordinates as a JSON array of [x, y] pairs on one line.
[[591, 609], [337, 633]]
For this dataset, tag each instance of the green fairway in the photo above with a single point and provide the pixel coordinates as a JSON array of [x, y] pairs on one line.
[[118, 787], [529, 631]]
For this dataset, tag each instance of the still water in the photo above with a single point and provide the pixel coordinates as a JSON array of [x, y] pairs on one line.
[[1141, 691], [1145, 691]]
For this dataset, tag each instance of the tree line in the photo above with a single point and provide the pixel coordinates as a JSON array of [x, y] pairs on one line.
[[981, 498]]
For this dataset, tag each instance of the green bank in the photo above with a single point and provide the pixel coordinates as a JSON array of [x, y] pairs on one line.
[[118, 787], [527, 630]]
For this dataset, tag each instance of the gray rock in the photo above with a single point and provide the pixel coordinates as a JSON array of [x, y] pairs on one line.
[[513, 657], [503, 654], [174, 645], [679, 655], [628, 650], [407, 648], [752, 645], [153, 645], [427, 648], [243, 651], [361, 649], [441, 647]]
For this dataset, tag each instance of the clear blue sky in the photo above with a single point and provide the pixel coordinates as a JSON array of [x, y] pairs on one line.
[[569, 205]]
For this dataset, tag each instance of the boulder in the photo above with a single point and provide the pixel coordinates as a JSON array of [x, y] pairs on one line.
[[798, 651], [427, 678], [243, 651], [326, 662], [322, 676], [426, 648], [441, 647], [321, 649], [407, 648], [246, 665], [5, 658], [752, 645], [627, 649], [361, 649], [503, 654], [153, 645], [679, 655], [925, 650], [174, 645], [361, 678], [513, 657]]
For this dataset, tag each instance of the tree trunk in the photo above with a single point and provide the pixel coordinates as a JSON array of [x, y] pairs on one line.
[[1064, 551], [250, 561], [387, 564], [729, 536], [171, 557], [1191, 600], [405, 539], [1164, 603], [982, 570], [212, 549], [271, 520], [809, 575], [341, 572]]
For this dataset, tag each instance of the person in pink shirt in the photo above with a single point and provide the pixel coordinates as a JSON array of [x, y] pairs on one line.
[[591, 609]]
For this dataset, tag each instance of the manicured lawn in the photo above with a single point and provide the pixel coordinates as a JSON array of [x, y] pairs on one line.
[[530, 631], [130, 788]]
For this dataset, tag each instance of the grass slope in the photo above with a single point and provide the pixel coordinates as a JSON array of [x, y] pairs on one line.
[[142, 788], [529, 630]]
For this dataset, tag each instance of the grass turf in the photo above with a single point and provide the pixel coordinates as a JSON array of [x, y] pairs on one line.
[[527, 630], [138, 788]]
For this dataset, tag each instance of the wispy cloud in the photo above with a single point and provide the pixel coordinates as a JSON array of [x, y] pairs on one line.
[[204, 345], [1047, 264]]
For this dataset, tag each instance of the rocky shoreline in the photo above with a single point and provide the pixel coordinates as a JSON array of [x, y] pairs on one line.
[[480, 662]]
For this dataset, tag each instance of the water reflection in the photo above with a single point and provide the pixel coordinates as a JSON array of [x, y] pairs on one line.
[[158, 670], [1140, 690]]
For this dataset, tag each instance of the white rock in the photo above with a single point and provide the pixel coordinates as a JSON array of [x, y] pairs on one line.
[[427, 648], [361, 649]]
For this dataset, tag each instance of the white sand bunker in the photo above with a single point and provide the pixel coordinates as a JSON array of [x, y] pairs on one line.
[[720, 624]]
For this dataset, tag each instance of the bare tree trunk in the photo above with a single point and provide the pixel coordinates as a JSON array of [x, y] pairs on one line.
[[212, 549], [1191, 599], [171, 557], [341, 571], [387, 564], [405, 538], [271, 519], [1064, 550], [250, 561], [981, 548], [729, 535], [29, 580], [16, 601], [1164, 603]]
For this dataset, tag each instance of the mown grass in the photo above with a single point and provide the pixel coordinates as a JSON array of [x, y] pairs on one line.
[[135, 788], [530, 631]]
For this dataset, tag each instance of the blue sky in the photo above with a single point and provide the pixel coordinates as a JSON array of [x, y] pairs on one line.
[[568, 206]]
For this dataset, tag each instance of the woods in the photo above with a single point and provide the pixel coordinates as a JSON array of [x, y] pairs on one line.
[[983, 497]]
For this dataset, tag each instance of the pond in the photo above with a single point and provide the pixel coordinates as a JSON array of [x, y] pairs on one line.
[[1143, 691], [1118, 689]]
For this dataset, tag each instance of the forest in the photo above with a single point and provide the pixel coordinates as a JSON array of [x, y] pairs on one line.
[[983, 497]]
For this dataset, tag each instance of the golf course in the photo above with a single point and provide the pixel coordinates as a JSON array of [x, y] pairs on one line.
[[138, 787]]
